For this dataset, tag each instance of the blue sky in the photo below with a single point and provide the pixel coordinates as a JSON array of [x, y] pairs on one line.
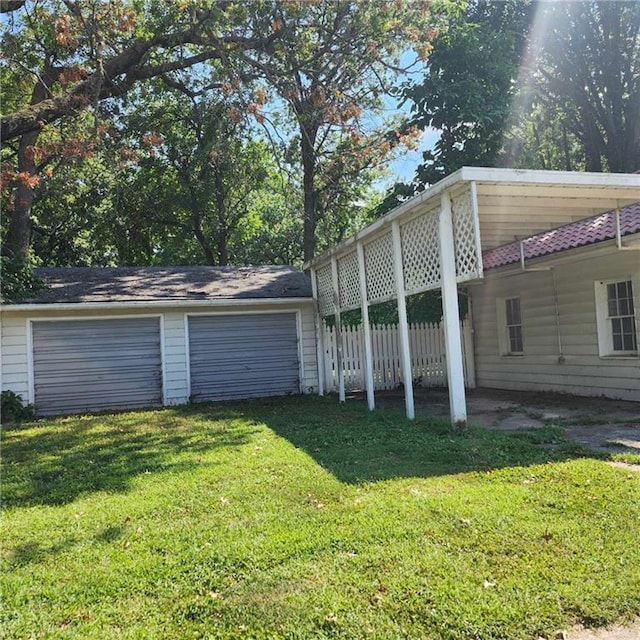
[[403, 169]]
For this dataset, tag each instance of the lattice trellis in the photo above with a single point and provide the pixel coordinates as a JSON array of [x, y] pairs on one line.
[[324, 284], [378, 257], [348, 281], [464, 234], [420, 253]]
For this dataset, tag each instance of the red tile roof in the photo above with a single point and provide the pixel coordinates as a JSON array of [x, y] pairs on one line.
[[577, 234]]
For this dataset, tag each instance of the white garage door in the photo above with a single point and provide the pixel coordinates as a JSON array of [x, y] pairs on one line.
[[91, 365], [244, 356]]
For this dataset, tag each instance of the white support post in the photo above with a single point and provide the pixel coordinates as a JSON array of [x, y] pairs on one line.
[[368, 351], [317, 320], [338, 328], [405, 351], [452, 335]]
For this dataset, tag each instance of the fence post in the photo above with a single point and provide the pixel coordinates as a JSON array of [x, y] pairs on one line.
[[405, 351], [368, 351], [338, 328]]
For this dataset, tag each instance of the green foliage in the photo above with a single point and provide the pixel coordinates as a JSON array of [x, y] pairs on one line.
[[19, 280], [421, 307], [468, 87], [176, 182], [13, 410], [301, 518], [587, 78], [332, 67], [571, 103]]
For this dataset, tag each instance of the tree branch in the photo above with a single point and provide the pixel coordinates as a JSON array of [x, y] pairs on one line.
[[126, 65]]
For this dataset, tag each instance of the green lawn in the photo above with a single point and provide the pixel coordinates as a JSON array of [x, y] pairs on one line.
[[299, 518]]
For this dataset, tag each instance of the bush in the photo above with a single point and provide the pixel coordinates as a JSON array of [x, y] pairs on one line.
[[13, 410], [19, 281]]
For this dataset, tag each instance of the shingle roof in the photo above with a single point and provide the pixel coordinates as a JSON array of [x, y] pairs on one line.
[[171, 284], [577, 234]]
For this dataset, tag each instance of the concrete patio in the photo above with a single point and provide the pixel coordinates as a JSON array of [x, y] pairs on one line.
[[606, 425]]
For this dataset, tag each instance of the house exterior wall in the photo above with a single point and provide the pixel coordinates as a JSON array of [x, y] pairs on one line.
[[570, 364], [15, 341]]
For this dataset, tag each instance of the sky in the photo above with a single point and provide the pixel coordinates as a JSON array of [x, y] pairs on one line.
[[403, 169]]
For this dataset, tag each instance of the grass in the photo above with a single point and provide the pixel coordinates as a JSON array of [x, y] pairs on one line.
[[299, 518]]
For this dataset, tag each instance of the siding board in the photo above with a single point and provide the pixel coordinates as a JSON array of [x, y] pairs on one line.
[[583, 371]]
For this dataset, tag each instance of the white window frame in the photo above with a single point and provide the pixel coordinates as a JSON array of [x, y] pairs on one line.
[[504, 341], [603, 321]]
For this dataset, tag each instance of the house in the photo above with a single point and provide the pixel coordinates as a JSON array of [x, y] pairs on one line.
[[119, 338], [549, 260], [559, 310]]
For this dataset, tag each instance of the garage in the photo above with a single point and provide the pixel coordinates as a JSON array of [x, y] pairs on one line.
[[118, 338], [93, 365], [243, 356]]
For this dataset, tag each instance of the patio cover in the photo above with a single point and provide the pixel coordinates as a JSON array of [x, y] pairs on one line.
[[435, 240]]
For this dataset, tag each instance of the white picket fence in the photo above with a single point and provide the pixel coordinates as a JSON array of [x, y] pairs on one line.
[[428, 364]]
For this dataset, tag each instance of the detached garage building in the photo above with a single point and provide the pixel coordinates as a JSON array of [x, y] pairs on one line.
[[120, 338]]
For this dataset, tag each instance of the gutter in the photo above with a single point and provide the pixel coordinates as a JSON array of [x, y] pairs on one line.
[[152, 304]]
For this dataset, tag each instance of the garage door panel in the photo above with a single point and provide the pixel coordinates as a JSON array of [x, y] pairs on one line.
[[92, 365], [251, 356], [87, 382]]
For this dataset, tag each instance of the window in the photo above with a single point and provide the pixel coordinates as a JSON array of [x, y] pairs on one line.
[[510, 323], [616, 318], [621, 315], [514, 325]]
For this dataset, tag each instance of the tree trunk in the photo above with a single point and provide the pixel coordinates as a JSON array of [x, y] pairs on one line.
[[310, 214], [18, 238], [196, 220], [223, 227]]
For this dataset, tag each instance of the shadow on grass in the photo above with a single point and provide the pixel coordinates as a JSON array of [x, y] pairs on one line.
[[55, 461], [357, 446]]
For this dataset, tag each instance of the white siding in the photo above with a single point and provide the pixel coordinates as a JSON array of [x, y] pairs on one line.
[[14, 351], [583, 371], [13, 355], [176, 389], [308, 351]]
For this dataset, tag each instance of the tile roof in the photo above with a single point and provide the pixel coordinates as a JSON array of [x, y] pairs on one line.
[[170, 284], [577, 234]]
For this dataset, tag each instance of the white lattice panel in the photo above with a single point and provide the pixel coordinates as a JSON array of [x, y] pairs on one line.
[[420, 253], [464, 235], [324, 285], [378, 257], [349, 281]]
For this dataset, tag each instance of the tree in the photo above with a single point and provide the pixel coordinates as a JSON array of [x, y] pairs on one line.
[[206, 150], [468, 88], [194, 194], [551, 85], [63, 57], [331, 65], [589, 69]]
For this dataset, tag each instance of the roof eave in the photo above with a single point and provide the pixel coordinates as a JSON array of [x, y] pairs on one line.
[[153, 304]]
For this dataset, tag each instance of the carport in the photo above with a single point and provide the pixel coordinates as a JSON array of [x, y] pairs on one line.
[[435, 240]]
